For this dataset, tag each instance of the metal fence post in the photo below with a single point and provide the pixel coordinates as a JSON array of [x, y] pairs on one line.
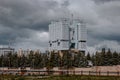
[[81, 72], [99, 73], [118, 73], [89, 72], [107, 73]]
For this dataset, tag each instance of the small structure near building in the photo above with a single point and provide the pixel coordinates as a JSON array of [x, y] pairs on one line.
[[6, 50], [90, 64]]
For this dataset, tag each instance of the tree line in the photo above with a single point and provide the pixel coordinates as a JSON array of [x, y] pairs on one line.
[[53, 59], [106, 58]]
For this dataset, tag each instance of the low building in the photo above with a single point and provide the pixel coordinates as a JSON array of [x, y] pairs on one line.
[[22, 52], [6, 50]]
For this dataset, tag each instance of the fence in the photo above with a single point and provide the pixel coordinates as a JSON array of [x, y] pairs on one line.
[[60, 72], [98, 73]]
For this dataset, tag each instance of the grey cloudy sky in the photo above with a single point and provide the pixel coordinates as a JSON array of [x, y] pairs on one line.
[[25, 22]]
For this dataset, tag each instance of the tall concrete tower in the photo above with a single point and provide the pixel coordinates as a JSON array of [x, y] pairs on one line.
[[66, 33]]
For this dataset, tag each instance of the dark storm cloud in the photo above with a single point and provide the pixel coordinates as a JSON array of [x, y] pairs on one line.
[[102, 1], [24, 13], [21, 18], [108, 25], [107, 36]]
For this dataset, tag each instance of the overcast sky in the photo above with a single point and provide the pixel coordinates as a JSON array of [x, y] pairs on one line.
[[25, 22]]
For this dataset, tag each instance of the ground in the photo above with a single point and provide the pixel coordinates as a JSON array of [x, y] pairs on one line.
[[65, 77]]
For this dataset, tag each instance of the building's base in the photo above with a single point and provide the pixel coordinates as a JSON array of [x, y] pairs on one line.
[[72, 51]]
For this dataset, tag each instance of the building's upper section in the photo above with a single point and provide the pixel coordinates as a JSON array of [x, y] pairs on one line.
[[6, 50], [65, 34]]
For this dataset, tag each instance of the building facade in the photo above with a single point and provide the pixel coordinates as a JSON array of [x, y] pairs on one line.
[[67, 34], [6, 50], [26, 52]]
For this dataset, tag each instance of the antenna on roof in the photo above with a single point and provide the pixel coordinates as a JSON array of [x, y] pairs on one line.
[[9, 43], [72, 18]]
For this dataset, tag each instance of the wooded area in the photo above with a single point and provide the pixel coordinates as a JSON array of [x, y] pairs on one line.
[[68, 60]]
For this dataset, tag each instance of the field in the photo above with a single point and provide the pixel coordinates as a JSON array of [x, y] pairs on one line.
[[65, 77]]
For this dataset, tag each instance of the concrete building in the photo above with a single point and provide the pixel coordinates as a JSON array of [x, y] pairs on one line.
[[66, 34], [6, 50], [59, 35], [22, 52]]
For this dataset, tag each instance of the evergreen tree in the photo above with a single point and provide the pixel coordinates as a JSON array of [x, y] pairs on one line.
[[67, 60], [37, 62], [93, 58], [115, 58], [109, 57], [103, 57], [76, 60], [98, 59], [57, 60], [45, 60], [88, 56], [80, 60], [118, 58]]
